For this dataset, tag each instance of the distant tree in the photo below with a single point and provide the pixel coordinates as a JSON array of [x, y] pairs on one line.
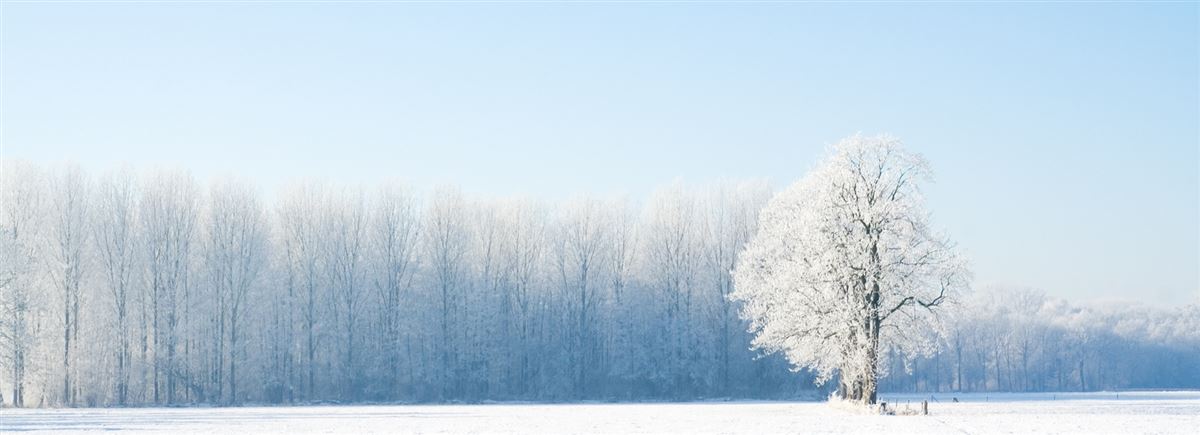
[[671, 259], [623, 308], [304, 263], [169, 205], [447, 241], [845, 265], [345, 239], [21, 191], [394, 231], [525, 228], [69, 204], [729, 219], [579, 254], [115, 229], [235, 256]]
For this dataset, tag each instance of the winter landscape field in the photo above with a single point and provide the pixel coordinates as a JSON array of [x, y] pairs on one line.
[[603, 216], [1083, 413]]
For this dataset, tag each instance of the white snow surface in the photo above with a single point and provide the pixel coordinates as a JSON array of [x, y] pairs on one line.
[[1090, 413]]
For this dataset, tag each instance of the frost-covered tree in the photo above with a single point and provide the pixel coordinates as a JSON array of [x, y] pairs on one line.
[[447, 241], [525, 228], [345, 240], [169, 207], [672, 257], [21, 201], [622, 308], [394, 231], [729, 220], [115, 228], [69, 202], [235, 256], [845, 266], [304, 264], [579, 254]]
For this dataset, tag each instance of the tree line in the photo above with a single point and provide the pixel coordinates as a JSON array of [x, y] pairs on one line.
[[153, 289], [129, 288], [1013, 339]]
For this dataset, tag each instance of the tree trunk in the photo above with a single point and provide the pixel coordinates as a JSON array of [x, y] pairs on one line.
[[233, 348]]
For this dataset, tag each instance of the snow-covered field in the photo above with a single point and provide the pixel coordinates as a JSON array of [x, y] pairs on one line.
[[1090, 413]]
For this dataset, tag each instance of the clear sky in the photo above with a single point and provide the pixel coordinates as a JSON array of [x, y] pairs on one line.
[[1065, 136]]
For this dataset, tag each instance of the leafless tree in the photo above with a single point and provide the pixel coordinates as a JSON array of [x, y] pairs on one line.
[[169, 207], [729, 220], [115, 231], [345, 240], [305, 264], [395, 229], [69, 238], [672, 257], [235, 256], [21, 202], [583, 236], [447, 241]]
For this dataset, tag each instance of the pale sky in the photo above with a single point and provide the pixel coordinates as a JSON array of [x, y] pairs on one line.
[[1065, 137]]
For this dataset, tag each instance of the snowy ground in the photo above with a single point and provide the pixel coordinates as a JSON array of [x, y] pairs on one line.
[[1091, 413]]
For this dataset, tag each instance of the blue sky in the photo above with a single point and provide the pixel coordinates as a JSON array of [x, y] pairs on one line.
[[1065, 137]]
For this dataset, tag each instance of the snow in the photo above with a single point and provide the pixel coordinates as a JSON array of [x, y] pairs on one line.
[[1091, 413]]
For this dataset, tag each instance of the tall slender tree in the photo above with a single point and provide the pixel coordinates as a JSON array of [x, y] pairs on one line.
[[394, 232], [447, 241], [305, 266], [115, 231], [235, 255], [69, 204], [169, 207], [21, 197]]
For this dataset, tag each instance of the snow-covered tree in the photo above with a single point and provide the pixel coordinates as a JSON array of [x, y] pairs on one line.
[[579, 254], [672, 257], [526, 234], [115, 230], [304, 265], [169, 207], [69, 208], [394, 231], [845, 265], [345, 240], [235, 256], [21, 202], [729, 220], [447, 241]]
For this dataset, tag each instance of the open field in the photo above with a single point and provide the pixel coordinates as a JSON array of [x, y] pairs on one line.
[[1092, 413]]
